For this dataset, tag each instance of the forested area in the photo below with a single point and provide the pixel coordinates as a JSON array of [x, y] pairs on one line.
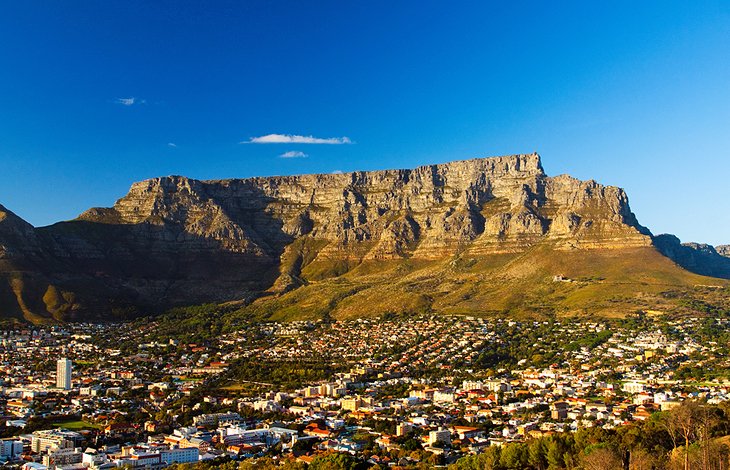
[[689, 437]]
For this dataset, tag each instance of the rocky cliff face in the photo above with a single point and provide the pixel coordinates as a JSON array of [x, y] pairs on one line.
[[504, 203], [174, 240]]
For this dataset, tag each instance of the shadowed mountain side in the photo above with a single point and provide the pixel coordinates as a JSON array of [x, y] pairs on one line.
[[696, 257], [465, 234], [83, 270], [109, 273]]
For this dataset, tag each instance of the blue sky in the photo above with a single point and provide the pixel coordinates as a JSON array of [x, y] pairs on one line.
[[97, 95]]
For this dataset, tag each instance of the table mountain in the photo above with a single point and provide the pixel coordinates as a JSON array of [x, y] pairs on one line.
[[474, 236]]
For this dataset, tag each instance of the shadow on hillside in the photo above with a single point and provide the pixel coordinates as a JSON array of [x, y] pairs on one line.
[[697, 258], [155, 266]]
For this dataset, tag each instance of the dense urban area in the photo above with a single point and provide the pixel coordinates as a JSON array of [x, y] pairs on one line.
[[640, 393]]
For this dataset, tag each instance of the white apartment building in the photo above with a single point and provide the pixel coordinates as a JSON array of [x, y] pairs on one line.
[[63, 373]]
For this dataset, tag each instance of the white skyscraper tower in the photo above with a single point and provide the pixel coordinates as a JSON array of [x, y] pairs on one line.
[[63, 374]]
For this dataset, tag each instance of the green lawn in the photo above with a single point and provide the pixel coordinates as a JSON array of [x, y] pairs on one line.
[[76, 425], [189, 379]]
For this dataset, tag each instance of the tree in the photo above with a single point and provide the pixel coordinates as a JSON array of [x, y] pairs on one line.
[[707, 417], [537, 454], [601, 458], [682, 424], [489, 460], [556, 451], [302, 447], [642, 460], [333, 462], [514, 456], [292, 465]]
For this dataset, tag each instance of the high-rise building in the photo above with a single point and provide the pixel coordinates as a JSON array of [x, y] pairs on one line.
[[63, 373], [441, 435]]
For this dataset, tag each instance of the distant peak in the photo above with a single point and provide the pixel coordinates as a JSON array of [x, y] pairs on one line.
[[8, 217], [6, 213]]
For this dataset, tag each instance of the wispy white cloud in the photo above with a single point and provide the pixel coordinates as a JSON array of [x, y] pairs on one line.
[[296, 139], [130, 101], [172, 144], [293, 154]]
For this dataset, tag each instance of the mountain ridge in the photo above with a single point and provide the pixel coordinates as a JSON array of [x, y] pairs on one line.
[[178, 241]]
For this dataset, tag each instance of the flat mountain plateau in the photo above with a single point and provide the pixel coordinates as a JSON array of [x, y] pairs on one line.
[[487, 236]]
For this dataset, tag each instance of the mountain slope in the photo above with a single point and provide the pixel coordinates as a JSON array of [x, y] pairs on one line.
[[539, 282], [474, 236]]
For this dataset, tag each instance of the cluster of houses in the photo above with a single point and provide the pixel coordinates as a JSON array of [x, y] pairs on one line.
[[419, 383]]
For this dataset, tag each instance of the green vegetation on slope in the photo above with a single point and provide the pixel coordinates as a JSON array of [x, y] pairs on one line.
[[541, 282]]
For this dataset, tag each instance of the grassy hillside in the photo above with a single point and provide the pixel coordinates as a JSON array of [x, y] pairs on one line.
[[606, 283], [598, 284], [539, 283]]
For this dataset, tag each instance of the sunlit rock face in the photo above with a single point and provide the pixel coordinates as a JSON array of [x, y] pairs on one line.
[[503, 203]]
